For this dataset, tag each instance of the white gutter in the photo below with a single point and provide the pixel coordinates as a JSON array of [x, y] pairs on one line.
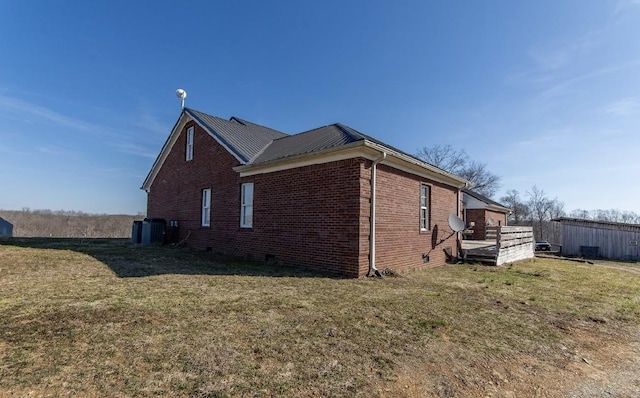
[[372, 219], [446, 177]]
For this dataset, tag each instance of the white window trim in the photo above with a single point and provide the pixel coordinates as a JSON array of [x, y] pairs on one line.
[[189, 148], [205, 220], [424, 207], [245, 205]]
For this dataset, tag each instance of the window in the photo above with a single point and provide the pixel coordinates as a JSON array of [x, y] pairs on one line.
[[206, 207], [246, 206], [425, 193], [189, 150]]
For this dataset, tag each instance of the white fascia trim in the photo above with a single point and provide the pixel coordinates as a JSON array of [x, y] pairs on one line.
[[185, 117], [215, 137], [499, 209], [364, 149], [410, 165], [329, 155], [487, 206], [166, 149]]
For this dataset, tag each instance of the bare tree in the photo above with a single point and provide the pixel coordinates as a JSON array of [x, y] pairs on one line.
[[611, 215], [445, 157], [519, 209], [540, 206], [456, 161], [630, 217], [556, 209], [579, 213]]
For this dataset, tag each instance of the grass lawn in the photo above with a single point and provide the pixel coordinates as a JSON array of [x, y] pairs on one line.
[[105, 318]]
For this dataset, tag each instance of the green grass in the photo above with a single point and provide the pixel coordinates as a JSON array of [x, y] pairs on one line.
[[105, 318]]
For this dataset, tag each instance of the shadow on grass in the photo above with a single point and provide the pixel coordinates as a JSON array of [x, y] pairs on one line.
[[127, 260]]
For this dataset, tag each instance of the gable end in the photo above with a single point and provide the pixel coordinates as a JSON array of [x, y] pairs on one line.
[[184, 118]]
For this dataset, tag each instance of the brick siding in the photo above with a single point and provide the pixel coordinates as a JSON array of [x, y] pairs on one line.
[[480, 218], [400, 244], [314, 216]]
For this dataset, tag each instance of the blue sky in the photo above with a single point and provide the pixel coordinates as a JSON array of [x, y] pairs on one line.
[[543, 92]]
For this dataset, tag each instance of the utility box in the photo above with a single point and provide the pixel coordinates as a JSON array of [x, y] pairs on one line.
[[153, 230], [136, 232], [589, 251]]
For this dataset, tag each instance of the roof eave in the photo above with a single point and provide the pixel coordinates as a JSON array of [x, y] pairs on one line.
[[146, 185], [499, 209], [448, 178], [185, 116], [295, 158], [363, 148]]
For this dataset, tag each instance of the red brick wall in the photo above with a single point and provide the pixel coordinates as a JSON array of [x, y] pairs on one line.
[[314, 216], [176, 192], [480, 217], [307, 216], [399, 242]]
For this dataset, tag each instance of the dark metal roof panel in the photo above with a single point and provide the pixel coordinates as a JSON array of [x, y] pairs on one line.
[[597, 224], [315, 140], [245, 139]]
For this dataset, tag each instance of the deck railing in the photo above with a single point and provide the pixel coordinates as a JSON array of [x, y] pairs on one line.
[[513, 244]]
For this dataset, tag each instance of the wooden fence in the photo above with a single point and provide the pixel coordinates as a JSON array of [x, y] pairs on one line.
[[511, 244], [514, 243]]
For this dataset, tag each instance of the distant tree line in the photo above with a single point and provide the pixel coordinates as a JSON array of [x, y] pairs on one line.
[[533, 208], [537, 209], [68, 224]]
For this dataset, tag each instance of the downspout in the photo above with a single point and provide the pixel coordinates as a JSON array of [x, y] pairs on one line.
[[464, 218], [372, 219]]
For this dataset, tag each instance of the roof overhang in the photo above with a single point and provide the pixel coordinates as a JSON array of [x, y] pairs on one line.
[[498, 209], [364, 149], [470, 197], [184, 118]]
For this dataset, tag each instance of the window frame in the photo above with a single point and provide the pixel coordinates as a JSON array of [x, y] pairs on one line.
[[189, 144], [425, 205], [205, 213], [246, 205]]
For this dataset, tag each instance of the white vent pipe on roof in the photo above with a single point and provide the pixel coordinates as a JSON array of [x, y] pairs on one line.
[[372, 219]]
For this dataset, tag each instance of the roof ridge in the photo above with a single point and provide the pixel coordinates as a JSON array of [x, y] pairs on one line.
[[353, 133], [308, 131], [235, 119], [222, 139], [264, 148], [205, 114], [244, 123]]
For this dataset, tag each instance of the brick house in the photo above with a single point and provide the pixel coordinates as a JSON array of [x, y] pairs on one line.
[[237, 188], [481, 212]]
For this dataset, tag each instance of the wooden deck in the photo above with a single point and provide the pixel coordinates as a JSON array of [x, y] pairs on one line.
[[511, 244], [485, 251]]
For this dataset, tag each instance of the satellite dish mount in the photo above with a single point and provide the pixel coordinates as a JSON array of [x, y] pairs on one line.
[[456, 224], [182, 94]]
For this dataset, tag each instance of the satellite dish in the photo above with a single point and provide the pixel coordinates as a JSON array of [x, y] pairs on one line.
[[456, 223], [182, 94]]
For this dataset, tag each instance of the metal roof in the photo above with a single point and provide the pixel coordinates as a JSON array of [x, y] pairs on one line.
[[310, 141], [597, 224], [484, 199], [252, 144], [244, 138]]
